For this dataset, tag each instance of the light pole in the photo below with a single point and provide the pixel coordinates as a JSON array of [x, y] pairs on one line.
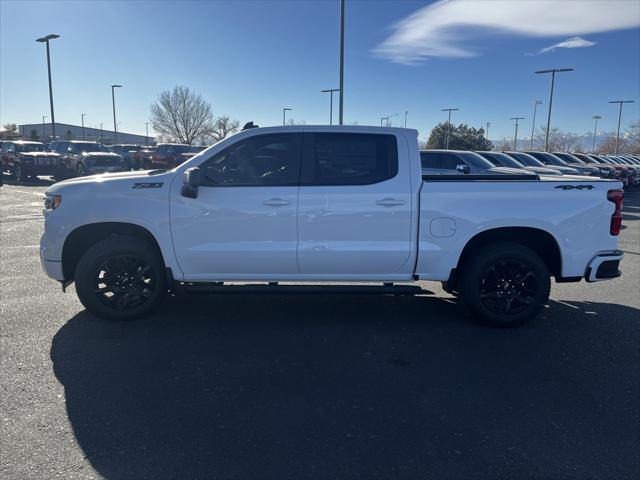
[[46, 39], [533, 125], [515, 138], [446, 135], [340, 116], [284, 114], [146, 139], [486, 132], [101, 131], [595, 132], [43, 133], [82, 120], [113, 101], [330, 91], [406, 112], [619, 119], [553, 72]]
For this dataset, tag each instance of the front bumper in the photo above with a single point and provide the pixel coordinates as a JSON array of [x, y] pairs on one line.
[[51, 268], [604, 266]]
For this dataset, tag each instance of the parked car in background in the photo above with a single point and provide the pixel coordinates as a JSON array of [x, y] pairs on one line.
[[451, 162], [625, 173], [551, 160], [500, 159], [142, 158], [582, 167], [610, 170], [634, 177], [127, 151], [29, 159], [531, 161], [86, 158], [169, 155]]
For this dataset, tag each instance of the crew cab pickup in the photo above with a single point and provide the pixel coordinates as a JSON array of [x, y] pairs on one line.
[[330, 204]]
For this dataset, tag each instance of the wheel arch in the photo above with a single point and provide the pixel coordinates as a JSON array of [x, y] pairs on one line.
[[539, 241], [85, 236]]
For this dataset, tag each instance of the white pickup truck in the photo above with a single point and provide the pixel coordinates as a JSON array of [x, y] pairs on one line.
[[327, 204]]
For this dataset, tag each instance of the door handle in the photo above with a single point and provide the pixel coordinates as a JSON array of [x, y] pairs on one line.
[[390, 202], [276, 202]]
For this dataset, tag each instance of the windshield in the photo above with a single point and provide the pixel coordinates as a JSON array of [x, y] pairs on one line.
[[475, 160], [549, 158], [30, 147], [567, 157], [526, 159], [501, 159], [89, 147]]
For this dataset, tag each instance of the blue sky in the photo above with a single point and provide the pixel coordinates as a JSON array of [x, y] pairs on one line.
[[251, 59]]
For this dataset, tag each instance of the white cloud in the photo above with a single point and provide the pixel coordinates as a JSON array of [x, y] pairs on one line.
[[446, 28], [573, 42]]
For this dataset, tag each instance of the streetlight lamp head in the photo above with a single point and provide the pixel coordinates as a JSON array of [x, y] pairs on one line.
[[51, 36], [116, 86]]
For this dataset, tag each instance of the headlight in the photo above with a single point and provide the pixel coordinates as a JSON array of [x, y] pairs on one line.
[[51, 202]]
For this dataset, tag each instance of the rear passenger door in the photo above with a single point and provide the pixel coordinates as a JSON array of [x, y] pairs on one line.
[[354, 207]]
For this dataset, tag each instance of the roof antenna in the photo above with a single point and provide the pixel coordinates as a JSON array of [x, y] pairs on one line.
[[249, 125]]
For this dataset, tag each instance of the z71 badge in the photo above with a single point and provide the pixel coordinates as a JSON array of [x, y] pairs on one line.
[[148, 185], [576, 187]]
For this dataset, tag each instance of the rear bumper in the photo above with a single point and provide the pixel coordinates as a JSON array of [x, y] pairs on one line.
[[604, 266]]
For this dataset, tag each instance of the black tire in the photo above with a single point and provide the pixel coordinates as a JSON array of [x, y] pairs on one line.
[[18, 173], [121, 278], [81, 170], [505, 284]]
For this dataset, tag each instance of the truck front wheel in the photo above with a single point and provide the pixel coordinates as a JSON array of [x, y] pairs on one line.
[[505, 284], [120, 278]]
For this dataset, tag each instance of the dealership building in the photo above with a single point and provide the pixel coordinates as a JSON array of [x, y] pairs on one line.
[[43, 132]]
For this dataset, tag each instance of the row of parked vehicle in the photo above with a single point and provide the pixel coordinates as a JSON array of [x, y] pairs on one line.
[[67, 158], [625, 168], [63, 159]]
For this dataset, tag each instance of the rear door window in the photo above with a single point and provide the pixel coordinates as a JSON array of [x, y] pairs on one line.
[[349, 158]]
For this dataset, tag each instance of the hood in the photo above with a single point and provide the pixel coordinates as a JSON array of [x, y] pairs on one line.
[[544, 170], [565, 170], [40, 154], [101, 154], [127, 179], [517, 171]]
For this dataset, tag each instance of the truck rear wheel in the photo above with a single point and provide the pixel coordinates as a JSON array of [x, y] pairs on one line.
[[121, 278], [505, 284]]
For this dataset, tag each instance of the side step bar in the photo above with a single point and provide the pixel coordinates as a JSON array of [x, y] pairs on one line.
[[289, 289]]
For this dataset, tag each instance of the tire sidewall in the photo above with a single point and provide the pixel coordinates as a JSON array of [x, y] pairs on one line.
[[472, 276], [88, 269]]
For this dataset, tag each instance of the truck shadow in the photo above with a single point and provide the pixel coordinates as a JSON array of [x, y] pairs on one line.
[[352, 386]]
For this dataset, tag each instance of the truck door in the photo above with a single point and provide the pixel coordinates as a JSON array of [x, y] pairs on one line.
[[242, 225], [354, 207]]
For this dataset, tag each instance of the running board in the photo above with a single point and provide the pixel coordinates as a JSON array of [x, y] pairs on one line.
[[274, 288]]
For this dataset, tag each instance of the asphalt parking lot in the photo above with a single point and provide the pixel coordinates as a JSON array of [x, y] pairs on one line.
[[322, 387]]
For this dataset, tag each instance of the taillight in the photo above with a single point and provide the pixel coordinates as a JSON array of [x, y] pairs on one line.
[[616, 196]]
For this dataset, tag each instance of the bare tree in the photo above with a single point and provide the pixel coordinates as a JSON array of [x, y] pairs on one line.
[[10, 127], [632, 135], [609, 145], [503, 145], [181, 114], [223, 127], [293, 121]]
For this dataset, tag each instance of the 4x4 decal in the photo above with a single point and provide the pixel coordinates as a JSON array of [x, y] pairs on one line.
[[148, 185], [576, 187]]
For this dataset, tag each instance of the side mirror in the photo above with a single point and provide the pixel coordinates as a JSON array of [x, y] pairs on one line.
[[190, 182], [463, 169]]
